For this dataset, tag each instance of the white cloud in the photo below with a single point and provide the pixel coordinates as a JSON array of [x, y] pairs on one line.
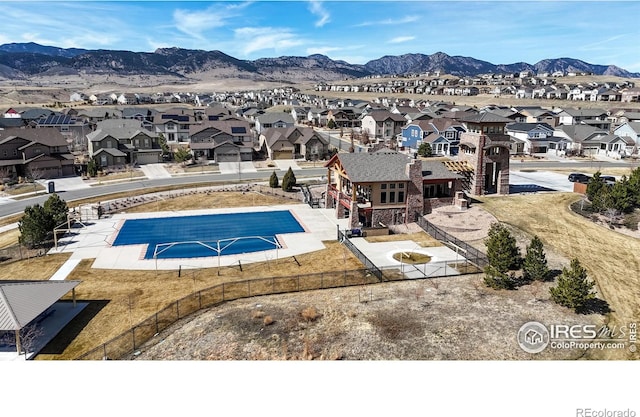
[[195, 23], [406, 19], [401, 39], [264, 38], [317, 8]]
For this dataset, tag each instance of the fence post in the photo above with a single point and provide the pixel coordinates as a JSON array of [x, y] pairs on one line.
[[157, 330], [133, 336]]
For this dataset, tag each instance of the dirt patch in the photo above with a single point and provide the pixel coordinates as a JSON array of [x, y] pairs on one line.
[[444, 318]]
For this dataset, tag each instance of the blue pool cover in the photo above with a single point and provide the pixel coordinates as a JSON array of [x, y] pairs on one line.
[[208, 229]]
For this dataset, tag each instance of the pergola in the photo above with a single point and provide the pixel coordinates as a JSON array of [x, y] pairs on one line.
[[23, 301]]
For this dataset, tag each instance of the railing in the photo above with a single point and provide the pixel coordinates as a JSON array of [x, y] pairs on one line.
[[342, 237], [472, 254], [128, 342]]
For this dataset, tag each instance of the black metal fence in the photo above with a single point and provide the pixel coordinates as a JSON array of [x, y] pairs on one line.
[[131, 340], [472, 254], [342, 237]]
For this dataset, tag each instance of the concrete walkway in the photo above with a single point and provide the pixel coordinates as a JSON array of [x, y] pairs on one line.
[[153, 171], [64, 271]]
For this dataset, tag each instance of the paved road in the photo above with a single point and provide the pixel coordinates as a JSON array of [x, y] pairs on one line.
[[9, 207]]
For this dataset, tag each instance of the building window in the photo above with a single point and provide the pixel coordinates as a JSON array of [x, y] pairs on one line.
[[4, 153], [383, 186], [400, 196], [401, 185], [392, 197], [392, 186], [383, 197]]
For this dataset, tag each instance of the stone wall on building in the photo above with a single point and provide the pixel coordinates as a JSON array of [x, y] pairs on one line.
[[415, 195], [388, 216]]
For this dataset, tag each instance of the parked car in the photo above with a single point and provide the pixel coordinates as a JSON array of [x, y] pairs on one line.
[[577, 177], [608, 179]]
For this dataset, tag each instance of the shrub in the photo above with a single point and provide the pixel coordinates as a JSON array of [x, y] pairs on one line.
[[535, 262], [573, 288], [273, 180], [502, 252], [310, 314]]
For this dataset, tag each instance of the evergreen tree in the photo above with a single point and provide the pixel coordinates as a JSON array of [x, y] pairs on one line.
[[34, 226], [499, 280], [331, 124], [502, 252], [634, 186], [534, 267], [273, 180], [573, 288], [57, 209], [622, 198], [162, 141], [425, 149], [181, 155], [595, 187], [289, 180], [92, 168]]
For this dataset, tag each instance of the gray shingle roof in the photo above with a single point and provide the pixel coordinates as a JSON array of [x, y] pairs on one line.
[[375, 166], [23, 301], [436, 170], [486, 117]]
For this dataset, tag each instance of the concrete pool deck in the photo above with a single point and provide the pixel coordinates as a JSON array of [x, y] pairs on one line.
[[94, 240]]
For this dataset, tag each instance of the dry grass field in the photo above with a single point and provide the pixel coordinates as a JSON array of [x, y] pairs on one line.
[[447, 318], [611, 258]]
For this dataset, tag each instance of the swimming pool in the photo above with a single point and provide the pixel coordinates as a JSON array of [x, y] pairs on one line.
[[202, 235]]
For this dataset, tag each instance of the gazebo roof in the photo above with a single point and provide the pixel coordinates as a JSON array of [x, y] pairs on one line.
[[23, 301]]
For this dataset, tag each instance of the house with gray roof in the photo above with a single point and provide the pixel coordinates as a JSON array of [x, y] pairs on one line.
[[377, 189], [226, 140], [117, 142], [631, 131], [273, 119], [293, 143], [383, 125], [35, 153]]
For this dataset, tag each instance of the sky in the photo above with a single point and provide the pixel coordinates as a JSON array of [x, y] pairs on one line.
[[500, 32]]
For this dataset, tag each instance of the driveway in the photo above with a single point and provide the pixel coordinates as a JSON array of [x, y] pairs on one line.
[[285, 164], [65, 184], [232, 167], [152, 171]]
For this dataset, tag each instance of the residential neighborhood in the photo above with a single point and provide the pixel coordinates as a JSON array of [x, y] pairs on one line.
[[279, 123]]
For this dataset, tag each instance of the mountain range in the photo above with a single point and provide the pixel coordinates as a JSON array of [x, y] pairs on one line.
[[29, 60]]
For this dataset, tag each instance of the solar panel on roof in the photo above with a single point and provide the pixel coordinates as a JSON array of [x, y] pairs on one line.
[[56, 119], [238, 129]]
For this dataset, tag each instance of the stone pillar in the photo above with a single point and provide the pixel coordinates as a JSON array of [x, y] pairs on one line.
[[354, 217], [415, 198]]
